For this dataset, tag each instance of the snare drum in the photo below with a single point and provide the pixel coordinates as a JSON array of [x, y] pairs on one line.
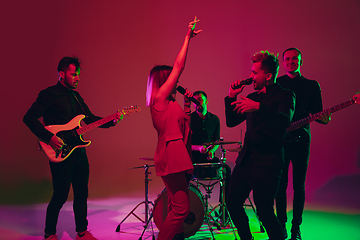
[[208, 171], [193, 221]]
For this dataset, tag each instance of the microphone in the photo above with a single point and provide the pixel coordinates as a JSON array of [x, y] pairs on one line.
[[243, 82], [182, 90]]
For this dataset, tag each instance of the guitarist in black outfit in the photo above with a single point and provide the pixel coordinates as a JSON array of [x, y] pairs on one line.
[[297, 144], [57, 105]]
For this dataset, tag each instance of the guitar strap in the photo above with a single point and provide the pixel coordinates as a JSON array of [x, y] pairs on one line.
[[79, 103]]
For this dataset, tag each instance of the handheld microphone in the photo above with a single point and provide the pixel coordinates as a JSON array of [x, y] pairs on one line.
[[243, 82], [182, 90]]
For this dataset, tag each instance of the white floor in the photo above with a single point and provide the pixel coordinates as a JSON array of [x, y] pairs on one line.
[[26, 222]]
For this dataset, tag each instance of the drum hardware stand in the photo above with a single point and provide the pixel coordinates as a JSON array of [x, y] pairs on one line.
[[146, 202], [223, 204], [223, 207], [208, 188]]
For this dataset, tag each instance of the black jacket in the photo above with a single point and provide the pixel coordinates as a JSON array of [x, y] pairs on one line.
[[265, 128]]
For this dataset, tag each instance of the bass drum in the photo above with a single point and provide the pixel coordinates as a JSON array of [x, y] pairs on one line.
[[193, 221]]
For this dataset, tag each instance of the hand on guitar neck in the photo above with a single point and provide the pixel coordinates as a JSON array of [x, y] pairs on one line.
[[324, 118], [119, 116]]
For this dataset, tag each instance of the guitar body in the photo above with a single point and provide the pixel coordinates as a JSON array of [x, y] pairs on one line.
[[69, 135]]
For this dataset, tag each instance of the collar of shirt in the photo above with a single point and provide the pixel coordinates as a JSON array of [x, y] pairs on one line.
[[201, 117], [266, 88], [263, 90], [63, 88]]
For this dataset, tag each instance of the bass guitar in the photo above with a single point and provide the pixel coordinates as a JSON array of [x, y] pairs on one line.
[[71, 134], [312, 117]]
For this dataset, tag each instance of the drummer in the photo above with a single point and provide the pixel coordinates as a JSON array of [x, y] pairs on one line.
[[205, 127]]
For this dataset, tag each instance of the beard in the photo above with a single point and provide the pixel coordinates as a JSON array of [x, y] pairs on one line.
[[199, 108]]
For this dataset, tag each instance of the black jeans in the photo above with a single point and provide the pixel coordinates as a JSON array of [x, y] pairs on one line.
[[298, 154], [74, 170], [264, 183]]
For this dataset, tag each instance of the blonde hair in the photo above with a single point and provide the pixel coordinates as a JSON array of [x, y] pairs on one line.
[[157, 77]]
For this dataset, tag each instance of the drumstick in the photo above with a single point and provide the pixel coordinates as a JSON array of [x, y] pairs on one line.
[[207, 150], [193, 26]]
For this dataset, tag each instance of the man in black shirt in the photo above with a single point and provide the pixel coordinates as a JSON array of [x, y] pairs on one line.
[[267, 111], [205, 127], [297, 144], [57, 105]]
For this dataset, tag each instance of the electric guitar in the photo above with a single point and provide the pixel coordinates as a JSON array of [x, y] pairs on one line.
[[71, 134], [312, 117]]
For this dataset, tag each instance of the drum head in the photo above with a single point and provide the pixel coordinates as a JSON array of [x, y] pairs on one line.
[[195, 218], [208, 171]]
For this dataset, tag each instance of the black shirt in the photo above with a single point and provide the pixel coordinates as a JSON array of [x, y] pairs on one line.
[[57, 105], [204, 131], [308, 100]]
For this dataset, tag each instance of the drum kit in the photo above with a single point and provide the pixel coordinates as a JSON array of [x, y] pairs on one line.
[[206, 175]]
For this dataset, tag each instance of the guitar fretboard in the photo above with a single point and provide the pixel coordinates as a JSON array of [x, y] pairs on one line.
[[96, 124], [313, 117]]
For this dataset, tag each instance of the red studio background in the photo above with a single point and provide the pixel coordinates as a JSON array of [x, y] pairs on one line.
[[120, 41]]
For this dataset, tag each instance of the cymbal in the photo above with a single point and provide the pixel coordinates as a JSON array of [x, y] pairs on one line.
[[142, 166], [207, 164], [220, 143], [147, 159], [233, 150]]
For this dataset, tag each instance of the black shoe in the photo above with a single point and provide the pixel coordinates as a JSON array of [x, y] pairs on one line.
[[285, 233], [295, 234], [179, 236]]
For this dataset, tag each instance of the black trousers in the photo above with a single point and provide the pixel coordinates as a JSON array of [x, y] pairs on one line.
[[264, 183], [72, 171], [298, 154]]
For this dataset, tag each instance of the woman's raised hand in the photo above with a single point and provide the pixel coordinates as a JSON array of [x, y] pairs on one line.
[[192, 33]]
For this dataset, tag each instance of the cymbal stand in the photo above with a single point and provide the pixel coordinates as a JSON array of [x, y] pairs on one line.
[[222, 204], [146, 202]]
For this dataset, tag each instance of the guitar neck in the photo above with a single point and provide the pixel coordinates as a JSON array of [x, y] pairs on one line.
[[313, 117], [96, 124]]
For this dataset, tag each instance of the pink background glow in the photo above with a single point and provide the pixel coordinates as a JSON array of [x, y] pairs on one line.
[[120, 41]]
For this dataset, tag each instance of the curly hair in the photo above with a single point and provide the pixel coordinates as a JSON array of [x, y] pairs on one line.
[[269, 62]]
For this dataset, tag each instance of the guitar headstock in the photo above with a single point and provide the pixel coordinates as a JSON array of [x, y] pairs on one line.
[[130, 110], [355, 98]]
